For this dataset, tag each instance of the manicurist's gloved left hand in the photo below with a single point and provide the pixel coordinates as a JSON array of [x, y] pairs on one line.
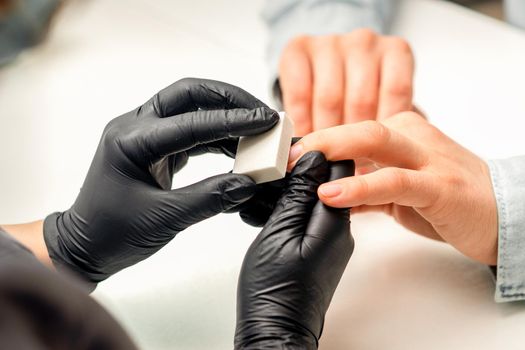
[[126, 209], [292, 269]]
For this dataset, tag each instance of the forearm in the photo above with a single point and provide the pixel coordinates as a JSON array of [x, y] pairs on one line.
[[31, 236]]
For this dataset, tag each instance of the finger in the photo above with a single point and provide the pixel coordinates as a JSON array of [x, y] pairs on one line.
[[191, 94], [397, 73], [365, 166], [388, 185], [163, 170], [419, 111], [295, 76], [413, 126], [406, 216], [362, 77], [328, 83], [259, 208], [185, 131], [330, 227], [204, 199], [227, 147], [294, 207], [368, 139]]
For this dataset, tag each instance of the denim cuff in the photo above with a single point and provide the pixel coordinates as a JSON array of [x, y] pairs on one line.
[[508, 179]]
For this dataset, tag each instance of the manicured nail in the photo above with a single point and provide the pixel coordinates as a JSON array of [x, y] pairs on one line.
[[331, 190], [295, 152]]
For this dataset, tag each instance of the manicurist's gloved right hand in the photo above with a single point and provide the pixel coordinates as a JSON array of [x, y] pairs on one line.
[[292, 269], [126, 209]]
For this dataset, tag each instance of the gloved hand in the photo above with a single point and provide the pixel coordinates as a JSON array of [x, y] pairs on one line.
[[256, 210], [292, 269], [126, 210]]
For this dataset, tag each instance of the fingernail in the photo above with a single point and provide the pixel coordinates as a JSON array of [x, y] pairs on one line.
[[295, 152], [330, 190]]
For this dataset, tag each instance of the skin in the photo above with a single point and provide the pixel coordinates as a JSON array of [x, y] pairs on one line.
[[31, 235], [410, 170], [339, 79]]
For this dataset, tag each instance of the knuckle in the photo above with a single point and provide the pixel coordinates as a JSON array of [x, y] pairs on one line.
[[400, 181], [120, 134], [329, 99], [377, 133], [187, 82], [113, 129], [315, 140], [363, 38], [324, 41], [297, 95], [400, 88], [361, 105], [399, 44], [297, 43], [360, 189], [407, 119]]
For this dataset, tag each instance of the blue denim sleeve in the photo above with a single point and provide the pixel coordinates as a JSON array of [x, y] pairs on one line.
[[23, 25], [287, 19], [508, 179]]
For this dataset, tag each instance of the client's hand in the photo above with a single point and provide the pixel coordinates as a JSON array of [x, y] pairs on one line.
[[409, 169]]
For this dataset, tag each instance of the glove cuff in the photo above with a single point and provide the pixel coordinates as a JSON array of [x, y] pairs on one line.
[[58, 252], [268, 335]]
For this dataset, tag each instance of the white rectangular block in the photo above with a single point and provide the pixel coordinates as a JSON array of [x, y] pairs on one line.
[[264, 157]]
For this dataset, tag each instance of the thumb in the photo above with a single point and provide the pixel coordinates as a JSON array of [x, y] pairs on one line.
[[295, 205], [204, 199], [329, 227]]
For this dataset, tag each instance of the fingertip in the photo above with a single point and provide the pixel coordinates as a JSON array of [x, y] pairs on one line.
[[270, 115], [309, 161], [330, 190], [296, 152], [332, 195], [302, 129], [249, 122], [237, 189]]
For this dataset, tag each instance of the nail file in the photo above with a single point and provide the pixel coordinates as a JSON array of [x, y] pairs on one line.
[[264, 157]]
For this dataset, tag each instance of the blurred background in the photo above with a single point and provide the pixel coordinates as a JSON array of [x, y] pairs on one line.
[[493, 8], [26, 22]]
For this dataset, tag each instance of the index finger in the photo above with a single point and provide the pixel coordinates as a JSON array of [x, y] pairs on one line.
[[369, 139], [397, 73], [295, 76], [192, 94], [175, 134]]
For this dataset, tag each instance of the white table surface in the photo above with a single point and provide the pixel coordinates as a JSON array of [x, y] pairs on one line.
[[400, 291]]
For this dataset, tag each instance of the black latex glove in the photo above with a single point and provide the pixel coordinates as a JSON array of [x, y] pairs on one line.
[[292, 269], [126, 210], [259, 207]]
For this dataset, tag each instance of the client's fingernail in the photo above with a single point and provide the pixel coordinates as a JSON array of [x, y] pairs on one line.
[[330, 190], [295, 152]]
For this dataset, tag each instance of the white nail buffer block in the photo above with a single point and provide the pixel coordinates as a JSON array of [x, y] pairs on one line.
[[264, 157]]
